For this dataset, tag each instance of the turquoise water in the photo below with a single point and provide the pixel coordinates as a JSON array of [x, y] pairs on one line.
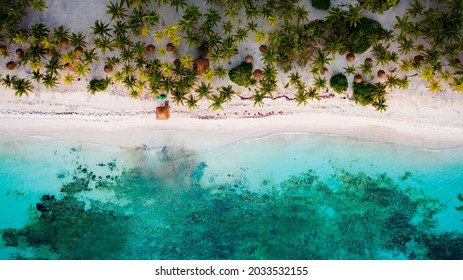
[[285, 196]]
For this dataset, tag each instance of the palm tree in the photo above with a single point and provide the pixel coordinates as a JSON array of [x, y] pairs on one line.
[[457, 84], [227, 93], [69, 58], [349, 70], [104, 43], [241, 34], [366, 68], [380, 104], [217, 101], [178, 4], [270, 56], [213, 17], [8, 81], [22, 86], [227, 27], [69, 79], [209, 75], [62, 34], [431, 56], [204, 90], [320, 83], [192, 102], [78, 40], [404, 83], [269, 72], [301, 97], [258, 98], [406, 65], [187, 61], [301, 14], [36, 75], [416, 9], [50, 80], [221, 72], [353, 16], [406, 46], [101, 28], [402, 23], [260, 36], [334, 43], [392, 81], [81, 69], [435, 86], [90, 56], [252, 26], [116, 10], [295, 78], [320, 60]]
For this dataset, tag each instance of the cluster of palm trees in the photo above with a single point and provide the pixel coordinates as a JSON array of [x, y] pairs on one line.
[[428, 41]]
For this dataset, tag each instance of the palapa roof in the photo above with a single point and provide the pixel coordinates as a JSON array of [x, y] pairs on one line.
[[201, 65], [162, 113]]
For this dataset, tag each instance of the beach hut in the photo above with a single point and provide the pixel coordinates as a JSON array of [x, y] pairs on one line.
[[162, 110], [358, 79], [258, 74], [108, 69], [249, 59], [419, 59], [150, 49], [324, 71], [19, 52], [350, 57], [263, 48], [200, 65], [11, 65], [170, 47], [381, 74]]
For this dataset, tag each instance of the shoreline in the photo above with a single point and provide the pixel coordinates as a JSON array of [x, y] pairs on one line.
[[135, 131]]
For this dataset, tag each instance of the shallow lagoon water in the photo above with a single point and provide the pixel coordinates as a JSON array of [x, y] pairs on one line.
[[283, 196]]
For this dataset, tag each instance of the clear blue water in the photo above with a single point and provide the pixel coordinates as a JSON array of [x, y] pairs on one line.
[[286, 196]]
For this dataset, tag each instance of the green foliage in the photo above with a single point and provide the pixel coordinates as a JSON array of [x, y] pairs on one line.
[[371, 94], [367, 32], [379, 6], [241, 75], [321, 4], [339, 83], [96, 85]]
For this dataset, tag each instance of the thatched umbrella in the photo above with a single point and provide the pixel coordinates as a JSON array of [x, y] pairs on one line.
[[78, 51], [381, 74], [64, 43], [368, 61], [324, 71], [162, 113], [419, 59], [177, 62], [350, 56], [19, 52], [150, 49], [170, 47], [200, 65], [249, 59], [108, 69], [11, 65], [263, 48], [358, 79], [3, 48], [457, 62], [258, 74], [67, 66]]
